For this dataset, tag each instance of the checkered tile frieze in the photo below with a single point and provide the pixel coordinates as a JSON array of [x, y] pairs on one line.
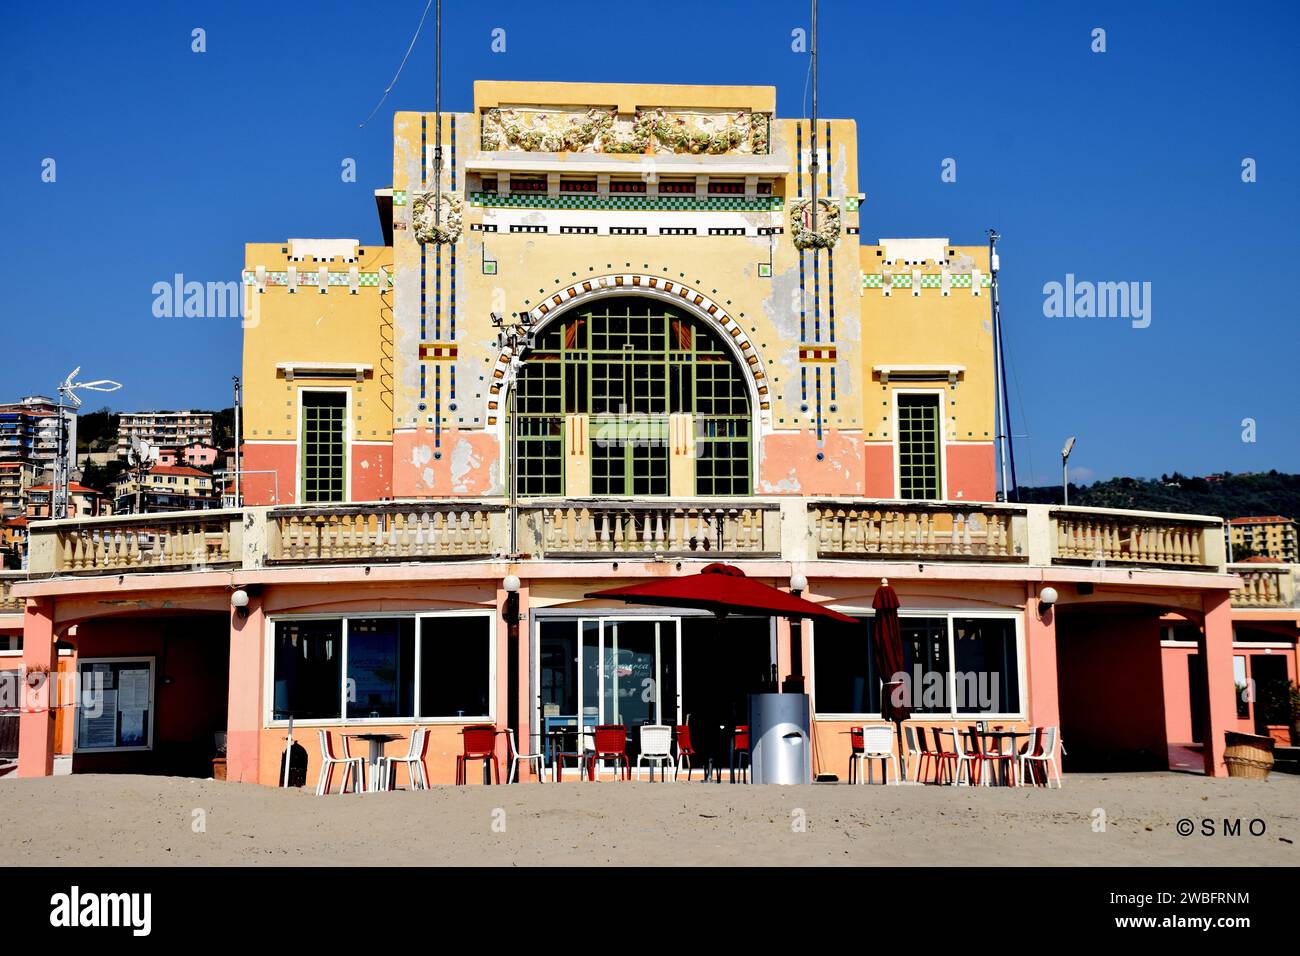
[[630, 203], [308, 278], [903, 280]]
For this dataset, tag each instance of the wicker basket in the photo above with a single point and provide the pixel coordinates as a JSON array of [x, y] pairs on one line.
[[1248, 755]]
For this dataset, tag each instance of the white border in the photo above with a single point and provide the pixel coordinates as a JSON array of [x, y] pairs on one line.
[[948, 614], [153, 704], [348, 427], [943, 440], [268, 669]]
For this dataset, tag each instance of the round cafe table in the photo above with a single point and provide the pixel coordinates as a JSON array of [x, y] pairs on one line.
[[377, 743]]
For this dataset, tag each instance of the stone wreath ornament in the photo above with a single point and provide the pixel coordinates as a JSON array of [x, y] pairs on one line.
[[422, 218], [593, 131], [828, 224]]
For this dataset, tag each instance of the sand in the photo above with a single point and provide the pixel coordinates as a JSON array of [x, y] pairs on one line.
[[103, 820]]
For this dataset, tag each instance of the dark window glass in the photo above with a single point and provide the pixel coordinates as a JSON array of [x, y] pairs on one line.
[[455, 661], [381, 667], [988, 672], [925, 653], [308, 669], [844, 668]]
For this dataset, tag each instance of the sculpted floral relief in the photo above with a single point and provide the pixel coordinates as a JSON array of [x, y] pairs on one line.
[[601, 131]]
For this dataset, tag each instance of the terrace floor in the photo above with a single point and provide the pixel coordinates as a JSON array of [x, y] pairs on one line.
[[137, 820]]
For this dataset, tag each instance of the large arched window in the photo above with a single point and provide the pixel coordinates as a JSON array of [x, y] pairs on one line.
[[628, 364]]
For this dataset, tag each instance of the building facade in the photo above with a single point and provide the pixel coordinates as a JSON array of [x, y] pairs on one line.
[[165, 488], [29, 433], [170, 429], [613, 333], [1271, 536]]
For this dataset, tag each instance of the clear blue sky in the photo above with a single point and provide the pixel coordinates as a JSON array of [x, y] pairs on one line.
[[1122, 166]]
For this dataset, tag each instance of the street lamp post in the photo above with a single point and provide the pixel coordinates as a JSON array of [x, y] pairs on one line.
[[1065, 470]]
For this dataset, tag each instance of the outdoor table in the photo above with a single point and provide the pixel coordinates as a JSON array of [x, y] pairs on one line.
[[377, 743], [1013, 734]]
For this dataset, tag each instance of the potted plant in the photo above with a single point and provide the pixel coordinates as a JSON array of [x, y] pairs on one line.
[[1277, 707]]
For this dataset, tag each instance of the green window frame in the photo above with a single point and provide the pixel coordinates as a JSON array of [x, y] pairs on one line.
[[324, 446], [919, 446], [629, 363]]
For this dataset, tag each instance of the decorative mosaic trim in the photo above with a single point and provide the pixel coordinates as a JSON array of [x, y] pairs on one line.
[[851, 203], [695, 302], [630, 202], [399, 197], [439, 352], [817, 353], [903, 280], [313, 278]]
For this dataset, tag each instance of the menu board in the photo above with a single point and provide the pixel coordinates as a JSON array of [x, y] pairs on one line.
[[114, 706]]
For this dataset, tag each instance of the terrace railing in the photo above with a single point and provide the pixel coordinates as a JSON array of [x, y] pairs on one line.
[[1101, 537], [1264, 585], [588, 528], [919, 529], [152, 542], [790, 529], [424, 530], [8, 603]]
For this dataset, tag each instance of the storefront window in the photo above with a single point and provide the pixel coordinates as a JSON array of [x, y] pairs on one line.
[[955, 666], [455, 666], [450, 653]]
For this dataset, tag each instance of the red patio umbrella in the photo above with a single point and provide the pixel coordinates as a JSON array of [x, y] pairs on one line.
[[722, 589], [889, 658]]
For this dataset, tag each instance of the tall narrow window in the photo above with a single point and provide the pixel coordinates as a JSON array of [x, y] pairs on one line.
[[324, 446], [918, 447]]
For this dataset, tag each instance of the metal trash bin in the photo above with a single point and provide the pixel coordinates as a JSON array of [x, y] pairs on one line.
[[780, 744]]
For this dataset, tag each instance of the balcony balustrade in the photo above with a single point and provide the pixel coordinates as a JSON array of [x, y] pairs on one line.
[[1101, 537], [788, 529], [562, 529], [1264, 586], [919, 529]]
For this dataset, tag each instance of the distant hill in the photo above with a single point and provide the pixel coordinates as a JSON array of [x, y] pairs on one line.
[[1226, 495]]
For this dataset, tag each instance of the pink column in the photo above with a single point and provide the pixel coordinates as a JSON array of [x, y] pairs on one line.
[[244, 696], [784, 646], [523, 704], [1216, 651], [502, 703], [1040, 650], [36, 720]]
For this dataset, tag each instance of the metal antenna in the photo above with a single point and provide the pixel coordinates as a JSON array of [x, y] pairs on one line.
[[814, 166], [68, 395], [999, 370], [437, 114]]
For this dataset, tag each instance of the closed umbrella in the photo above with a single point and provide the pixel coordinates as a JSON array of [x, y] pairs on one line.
[[889, 659]]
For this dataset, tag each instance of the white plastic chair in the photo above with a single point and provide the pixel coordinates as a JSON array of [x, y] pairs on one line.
[[351, 765], [536, 760], [656, 748], [964, 758], [877, 744], [1043, 749], [914, 751], [413, 761]]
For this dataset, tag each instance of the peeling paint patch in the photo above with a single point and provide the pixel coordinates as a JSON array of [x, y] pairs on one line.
[[463, 462]]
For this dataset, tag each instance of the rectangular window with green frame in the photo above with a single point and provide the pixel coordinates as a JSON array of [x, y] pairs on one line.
[[323, 446], [919, 446]]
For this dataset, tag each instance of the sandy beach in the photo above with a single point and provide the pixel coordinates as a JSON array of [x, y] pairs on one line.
[[99, 820]]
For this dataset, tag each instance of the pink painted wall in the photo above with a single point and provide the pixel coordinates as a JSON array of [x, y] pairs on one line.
[[468, 464], [878, 460], [789, 465], [972, 472], [372, 472], [261, 489]]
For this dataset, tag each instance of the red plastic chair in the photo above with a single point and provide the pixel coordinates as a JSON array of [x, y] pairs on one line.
[[611, 744], [942, 757], [740, 757], [479, 742], [855, 749], [684, 751]]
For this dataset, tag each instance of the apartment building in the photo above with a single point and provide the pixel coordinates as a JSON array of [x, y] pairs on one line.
[[170, 429], [1271, 536]]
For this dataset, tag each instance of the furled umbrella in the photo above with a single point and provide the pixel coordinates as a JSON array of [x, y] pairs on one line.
[[890, 664]]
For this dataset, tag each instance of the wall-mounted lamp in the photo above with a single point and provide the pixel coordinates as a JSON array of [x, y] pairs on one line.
[[798, 584], [1046, 599], [510, 610], [239, 601]]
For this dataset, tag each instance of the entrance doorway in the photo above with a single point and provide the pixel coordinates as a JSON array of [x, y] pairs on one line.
[[723, 662]]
